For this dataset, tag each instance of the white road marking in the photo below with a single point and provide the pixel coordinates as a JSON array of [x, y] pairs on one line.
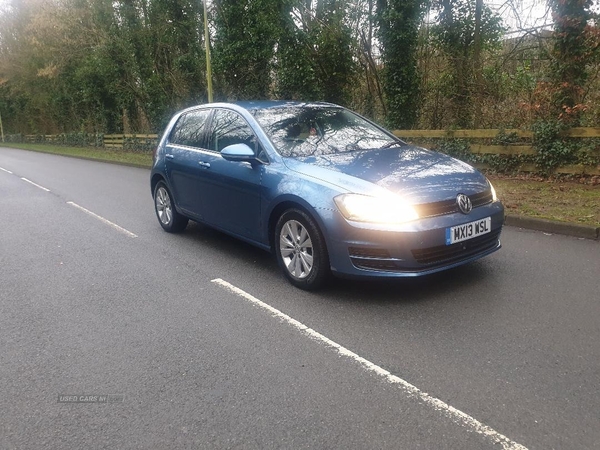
[[4, 170], [35, 184], [102, 219], [456, 415]]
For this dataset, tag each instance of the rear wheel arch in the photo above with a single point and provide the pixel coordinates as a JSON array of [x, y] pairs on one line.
[[156, 178], [164, 206]]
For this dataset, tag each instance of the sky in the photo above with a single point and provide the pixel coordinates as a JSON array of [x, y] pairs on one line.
[[521, 14]]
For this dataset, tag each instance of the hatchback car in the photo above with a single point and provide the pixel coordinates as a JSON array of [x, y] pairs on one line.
[[323, 188]]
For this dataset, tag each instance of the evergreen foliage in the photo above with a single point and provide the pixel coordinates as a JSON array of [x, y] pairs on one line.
[[246, 35], [113, 66], [398, 31], [571, 55]]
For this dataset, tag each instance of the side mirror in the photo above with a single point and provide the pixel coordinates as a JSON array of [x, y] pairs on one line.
[[238, 152]]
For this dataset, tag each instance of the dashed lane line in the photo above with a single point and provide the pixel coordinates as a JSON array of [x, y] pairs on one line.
[[81, 208], [103, 220], [35, 184]]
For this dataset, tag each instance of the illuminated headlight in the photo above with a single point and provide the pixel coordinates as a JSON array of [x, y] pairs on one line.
[[494, 196], [363, 208]]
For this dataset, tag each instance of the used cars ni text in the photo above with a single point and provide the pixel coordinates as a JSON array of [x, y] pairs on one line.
[[323, 188]]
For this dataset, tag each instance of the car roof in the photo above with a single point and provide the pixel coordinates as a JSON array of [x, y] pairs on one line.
[[249, 106], [266, 104]]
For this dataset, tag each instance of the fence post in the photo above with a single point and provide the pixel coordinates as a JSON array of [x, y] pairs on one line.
[[1, 128]]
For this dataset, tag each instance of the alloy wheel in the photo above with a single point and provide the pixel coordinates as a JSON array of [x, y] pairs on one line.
[[163, 206], [296, 249]]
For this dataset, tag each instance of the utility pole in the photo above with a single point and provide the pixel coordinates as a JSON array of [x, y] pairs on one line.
[[208, 66], [477, 64]]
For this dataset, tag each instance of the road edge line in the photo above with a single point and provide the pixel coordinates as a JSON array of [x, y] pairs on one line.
[[456, 415]]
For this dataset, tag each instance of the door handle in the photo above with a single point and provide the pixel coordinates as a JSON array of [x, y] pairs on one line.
[[169, 156], [204, 164]]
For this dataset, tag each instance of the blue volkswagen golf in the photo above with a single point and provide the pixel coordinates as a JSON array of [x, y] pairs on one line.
[[324, 189]]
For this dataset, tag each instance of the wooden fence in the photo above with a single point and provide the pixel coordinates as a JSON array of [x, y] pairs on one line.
[[145, 141], [119, 140], [102, 140], [509, 149]]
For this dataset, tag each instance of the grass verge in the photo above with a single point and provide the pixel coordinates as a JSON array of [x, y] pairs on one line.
[[98, 154], [563, 201]]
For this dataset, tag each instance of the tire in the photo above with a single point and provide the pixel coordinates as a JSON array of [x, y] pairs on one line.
[[164, 206], [301, 250]]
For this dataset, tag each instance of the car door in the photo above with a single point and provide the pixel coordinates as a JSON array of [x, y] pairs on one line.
[[232, 193], [182, 157]]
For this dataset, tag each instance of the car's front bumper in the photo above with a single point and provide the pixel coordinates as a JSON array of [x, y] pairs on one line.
[[413, 249]]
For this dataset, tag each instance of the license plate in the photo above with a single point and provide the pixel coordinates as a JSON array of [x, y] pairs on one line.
[[468, 231]]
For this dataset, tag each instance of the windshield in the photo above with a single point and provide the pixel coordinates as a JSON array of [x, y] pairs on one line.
[[319, 130]]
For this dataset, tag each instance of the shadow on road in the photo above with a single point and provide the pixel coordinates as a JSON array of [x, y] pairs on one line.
[[406, 290]]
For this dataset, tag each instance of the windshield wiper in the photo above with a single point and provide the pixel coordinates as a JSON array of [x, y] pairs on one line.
[[391, 144]]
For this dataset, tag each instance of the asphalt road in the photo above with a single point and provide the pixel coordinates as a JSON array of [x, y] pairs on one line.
[[507, 349]]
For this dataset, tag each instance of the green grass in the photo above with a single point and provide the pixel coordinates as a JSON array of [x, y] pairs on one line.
[[142, 159], [554, 200], [563, 201]]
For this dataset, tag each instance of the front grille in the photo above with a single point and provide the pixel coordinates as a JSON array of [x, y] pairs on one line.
[[450, 206], [483, 198], [458, 251]]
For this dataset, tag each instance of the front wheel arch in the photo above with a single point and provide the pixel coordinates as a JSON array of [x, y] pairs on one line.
[[304, 260], [280, 208]]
